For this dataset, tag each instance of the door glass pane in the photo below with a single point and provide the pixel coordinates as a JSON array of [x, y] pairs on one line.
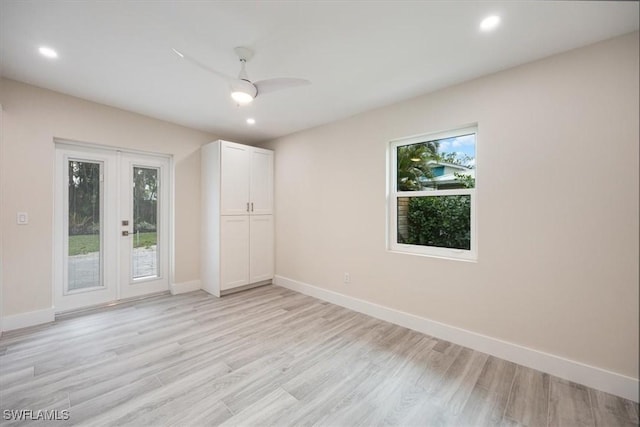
[[145, 222], [85, 203]]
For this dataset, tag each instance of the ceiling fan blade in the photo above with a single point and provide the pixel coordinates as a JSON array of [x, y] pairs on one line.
[[272, 85], [204, 67]]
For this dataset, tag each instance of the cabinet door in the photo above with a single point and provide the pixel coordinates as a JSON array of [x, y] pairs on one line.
[[234, 251], [234, 178], [261, 246], [261, 193]]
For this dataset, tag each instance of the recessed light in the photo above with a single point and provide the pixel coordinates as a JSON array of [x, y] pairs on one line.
[[489, 23], [251, 121], [48, 52]]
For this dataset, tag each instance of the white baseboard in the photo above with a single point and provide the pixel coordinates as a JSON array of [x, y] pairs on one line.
[[600, 379], [184, 287], [31, 318]]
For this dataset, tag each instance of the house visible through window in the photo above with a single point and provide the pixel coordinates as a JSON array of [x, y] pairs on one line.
[[432, 194]]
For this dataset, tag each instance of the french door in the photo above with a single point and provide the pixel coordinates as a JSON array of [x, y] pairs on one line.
[[112, 237]]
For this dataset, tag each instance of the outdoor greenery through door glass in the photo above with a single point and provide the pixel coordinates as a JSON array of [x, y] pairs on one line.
[[435, 220], [85, 203], [145, 222]]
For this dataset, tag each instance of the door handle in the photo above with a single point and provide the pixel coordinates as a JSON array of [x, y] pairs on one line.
[[125, 233], [247, 206], [251, 206]]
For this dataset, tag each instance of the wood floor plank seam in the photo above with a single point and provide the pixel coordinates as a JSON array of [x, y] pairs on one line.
[[504, 412], [549, 407]]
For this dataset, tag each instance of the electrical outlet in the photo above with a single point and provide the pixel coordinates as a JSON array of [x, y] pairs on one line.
[[22, 218], [347, 277]]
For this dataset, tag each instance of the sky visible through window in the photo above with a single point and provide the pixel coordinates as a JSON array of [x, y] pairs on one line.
[[464, 147]]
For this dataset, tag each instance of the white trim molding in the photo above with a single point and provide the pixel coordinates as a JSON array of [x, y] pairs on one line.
[[31, 318], [591, 376], [184, 287]]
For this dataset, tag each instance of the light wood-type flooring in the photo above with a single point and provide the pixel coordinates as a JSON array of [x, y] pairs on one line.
[[270, 356]]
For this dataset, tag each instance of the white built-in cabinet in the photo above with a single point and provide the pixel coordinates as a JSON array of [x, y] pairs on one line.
[[237, 216]]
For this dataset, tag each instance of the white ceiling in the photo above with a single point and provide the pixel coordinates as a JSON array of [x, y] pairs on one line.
[[358, 54]]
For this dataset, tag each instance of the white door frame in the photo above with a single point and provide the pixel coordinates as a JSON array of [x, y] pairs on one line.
[[88, 151]]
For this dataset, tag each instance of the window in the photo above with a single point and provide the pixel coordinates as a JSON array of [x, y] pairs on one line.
[[432, 194]]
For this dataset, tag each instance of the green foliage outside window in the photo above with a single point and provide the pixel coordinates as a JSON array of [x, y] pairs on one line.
[[441, 221], [84, 197], [413, 164]]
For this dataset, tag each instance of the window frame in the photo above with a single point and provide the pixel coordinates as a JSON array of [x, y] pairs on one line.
[[393, 194]]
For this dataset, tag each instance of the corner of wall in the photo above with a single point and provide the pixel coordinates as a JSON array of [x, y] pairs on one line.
[[184, 287]]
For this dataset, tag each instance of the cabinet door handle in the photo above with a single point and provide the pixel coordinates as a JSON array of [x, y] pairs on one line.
[[247, 206], [251, 206]]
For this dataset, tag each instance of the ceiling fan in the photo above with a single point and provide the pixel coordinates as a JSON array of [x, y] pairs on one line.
[[243, 90]]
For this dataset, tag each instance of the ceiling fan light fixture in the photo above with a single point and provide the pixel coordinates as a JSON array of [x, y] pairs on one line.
[[242, 98], [243, 92]]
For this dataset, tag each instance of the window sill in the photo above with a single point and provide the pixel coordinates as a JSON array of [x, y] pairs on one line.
[[437, 256]]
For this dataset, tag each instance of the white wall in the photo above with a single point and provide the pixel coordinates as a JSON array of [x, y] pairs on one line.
[[557, 207], [32, 118]]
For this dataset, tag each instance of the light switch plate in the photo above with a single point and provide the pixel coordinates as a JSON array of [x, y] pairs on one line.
[[22, 218]]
